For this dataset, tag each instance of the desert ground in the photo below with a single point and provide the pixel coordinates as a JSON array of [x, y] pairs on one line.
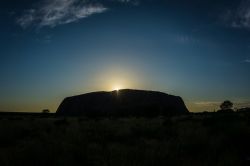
[[201, 139]]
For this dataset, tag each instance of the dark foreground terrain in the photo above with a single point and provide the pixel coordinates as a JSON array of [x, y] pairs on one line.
[[191, 140]]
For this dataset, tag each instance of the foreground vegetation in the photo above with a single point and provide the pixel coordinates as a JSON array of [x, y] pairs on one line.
[[191, 140]]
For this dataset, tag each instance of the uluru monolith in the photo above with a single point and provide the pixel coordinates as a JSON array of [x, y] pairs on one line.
[[125, 102]]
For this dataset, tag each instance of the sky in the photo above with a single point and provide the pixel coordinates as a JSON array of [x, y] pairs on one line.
[[51, 49]]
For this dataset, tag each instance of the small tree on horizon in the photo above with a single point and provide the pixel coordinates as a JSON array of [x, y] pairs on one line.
[[226, 105], [46, 111]]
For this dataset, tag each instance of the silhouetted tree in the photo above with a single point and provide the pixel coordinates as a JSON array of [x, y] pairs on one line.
[[46, 111], [226, 105]]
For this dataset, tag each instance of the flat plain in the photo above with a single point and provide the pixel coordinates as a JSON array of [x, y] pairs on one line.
[[204, 139]]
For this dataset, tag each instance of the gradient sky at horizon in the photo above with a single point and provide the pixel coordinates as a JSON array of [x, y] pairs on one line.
[[50, 49]]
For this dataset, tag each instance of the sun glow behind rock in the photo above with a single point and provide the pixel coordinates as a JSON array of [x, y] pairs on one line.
[[114, 77], [117, 87]]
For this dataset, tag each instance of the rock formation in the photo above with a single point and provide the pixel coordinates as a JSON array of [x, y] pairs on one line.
[[124, 102]]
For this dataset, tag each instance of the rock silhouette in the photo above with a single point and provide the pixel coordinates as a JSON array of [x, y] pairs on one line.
[[124, 102]]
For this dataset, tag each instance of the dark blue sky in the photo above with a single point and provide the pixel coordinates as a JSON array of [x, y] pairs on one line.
[[51, 49]]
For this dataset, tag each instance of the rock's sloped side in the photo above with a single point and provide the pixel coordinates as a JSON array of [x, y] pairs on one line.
[[124, 102]]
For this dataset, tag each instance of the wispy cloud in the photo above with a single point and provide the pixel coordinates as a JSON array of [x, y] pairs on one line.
[[243, 15], [56, 12], [239, 17], [247, 61], [186, 39]]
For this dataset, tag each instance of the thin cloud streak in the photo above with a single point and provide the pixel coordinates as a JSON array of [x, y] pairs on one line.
[[207, 103], [58, 12]]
